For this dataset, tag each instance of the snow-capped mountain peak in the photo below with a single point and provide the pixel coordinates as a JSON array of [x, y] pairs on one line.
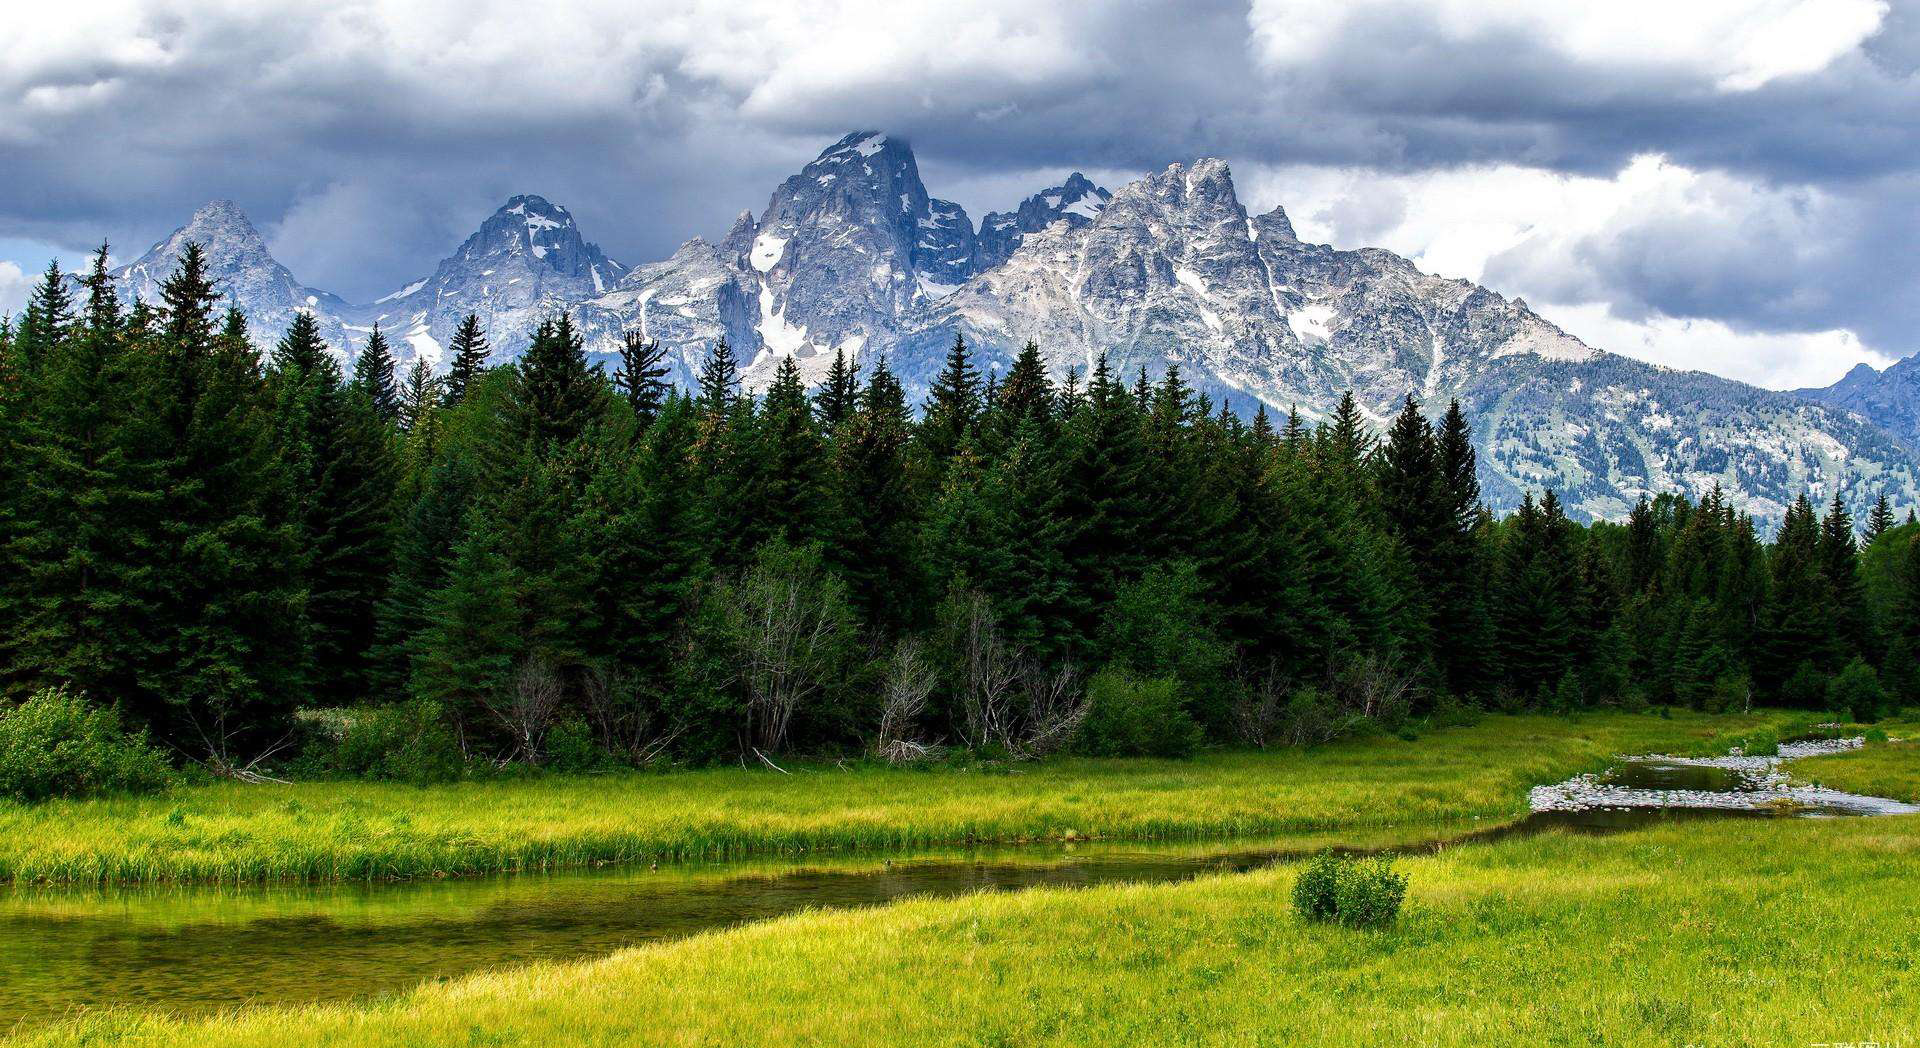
[[1076, 201], [244, 271], [853, 254]]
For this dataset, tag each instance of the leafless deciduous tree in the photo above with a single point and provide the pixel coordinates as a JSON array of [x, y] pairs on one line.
[[626, 725], [791, 629], [911, 676], [1056, 705], [1008, 700], [526, 710]]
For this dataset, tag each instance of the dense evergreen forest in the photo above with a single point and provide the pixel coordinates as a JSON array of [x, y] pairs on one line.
[[541, 563]]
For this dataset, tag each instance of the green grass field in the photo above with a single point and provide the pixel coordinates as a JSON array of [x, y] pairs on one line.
[[1734, 933], [1880, 769], [234, 833]]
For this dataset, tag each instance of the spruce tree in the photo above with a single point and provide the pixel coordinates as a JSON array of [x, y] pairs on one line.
[[47, 320], [879, 550], [373, 375], [341, 473], [789, 458], [1800, 623], [840, 395], [553, 396], [228, 658], [641, 376], [1880, 519], [953, 405], [1840, 564], [719, 380], [470, 351], [78, 545], [419, 396]]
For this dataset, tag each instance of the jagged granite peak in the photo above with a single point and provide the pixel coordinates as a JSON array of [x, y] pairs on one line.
[[853, 253], [1173, 270], [844, 251], [1889, 399], [244, 271], [527, 261], [1076, 201]]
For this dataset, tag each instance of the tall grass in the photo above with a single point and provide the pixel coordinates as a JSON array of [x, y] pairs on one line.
[[237, 833], [1788, 932], [1880, 769]]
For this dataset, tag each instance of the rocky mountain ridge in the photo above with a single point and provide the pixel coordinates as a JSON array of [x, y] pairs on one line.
[[853, 254]]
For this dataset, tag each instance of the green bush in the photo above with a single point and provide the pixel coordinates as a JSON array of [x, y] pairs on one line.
[[1358, 893], [1856, 690], [1133, 717], [570, 748], [407, 742], [55, 745], [1806, 689]]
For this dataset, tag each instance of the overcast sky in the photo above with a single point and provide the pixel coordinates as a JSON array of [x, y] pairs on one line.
[[1732, 185]]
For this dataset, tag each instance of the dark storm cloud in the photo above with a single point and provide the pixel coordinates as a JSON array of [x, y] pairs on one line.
[[368, 139]]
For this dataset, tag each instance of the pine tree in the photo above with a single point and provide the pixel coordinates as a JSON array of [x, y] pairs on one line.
[[1537, 597], [1840, 564], [1800, 624], [78, 539], [953, 405], [644, 516], [228, 654], [1879, 520], [640, 377], [839, 396], [1025, 397], [470, 352], [468, 651], [1345, 441], [789, 459], [879, 551], [47, 320], [719, 381], [340, 466], [373, 375], [553, 396], [419, 396]]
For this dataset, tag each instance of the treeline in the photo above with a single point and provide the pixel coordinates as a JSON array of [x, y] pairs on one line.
[[538, 561]]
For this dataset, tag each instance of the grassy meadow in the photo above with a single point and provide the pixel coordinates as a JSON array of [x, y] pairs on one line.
[[1789, 932], [1879, 769], [238, 833]]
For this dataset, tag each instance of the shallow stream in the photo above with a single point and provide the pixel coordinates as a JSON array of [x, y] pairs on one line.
[[188, 949]]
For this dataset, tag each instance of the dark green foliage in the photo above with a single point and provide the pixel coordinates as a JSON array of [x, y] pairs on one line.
[[374, 377], [1341, 889], [566, 568], [1857, 692], [469, 349], [1131, 716], [56, 745], [839, 396], [641, 377], [404, 742], [953, 405]]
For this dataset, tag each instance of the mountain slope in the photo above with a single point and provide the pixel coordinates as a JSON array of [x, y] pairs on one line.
[[844, 251], [1889, 399], [852, 253], [1173, 270], [243, 270], [526, 262]]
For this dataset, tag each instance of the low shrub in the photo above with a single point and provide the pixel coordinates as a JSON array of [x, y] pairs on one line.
[[1806, 689], [1357, 893], [407, 742], [1130, 716], [55, 745], [1856, 690]]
